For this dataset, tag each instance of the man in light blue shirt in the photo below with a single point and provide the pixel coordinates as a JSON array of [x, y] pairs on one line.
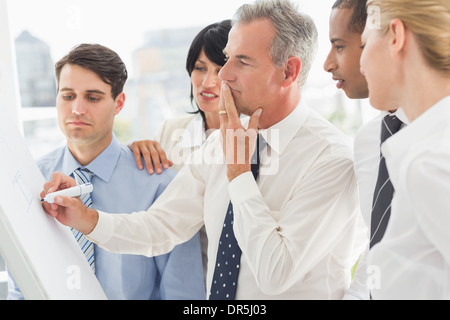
[[90, 83]]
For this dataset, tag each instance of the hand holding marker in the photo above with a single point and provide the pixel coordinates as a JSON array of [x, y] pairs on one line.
[[70, 192]]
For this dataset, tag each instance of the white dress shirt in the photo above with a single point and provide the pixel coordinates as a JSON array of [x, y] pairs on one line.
[[296, 225], [366, 152], [179, 138], [414, 256]]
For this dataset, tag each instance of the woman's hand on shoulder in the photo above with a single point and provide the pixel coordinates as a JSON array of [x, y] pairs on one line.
[[151, 153]]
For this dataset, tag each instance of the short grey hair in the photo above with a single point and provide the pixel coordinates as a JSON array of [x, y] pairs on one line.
[[296, 33]]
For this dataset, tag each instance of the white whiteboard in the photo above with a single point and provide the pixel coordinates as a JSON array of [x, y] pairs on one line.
[[9, 88], [42, 255]]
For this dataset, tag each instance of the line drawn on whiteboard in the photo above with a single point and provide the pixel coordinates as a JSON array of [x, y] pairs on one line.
[[24, 190], [18, 182]]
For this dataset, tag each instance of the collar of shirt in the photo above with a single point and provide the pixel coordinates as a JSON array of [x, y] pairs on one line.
[[398, 145], [289, 126], [102, 166], [399, 113], [402, 116]]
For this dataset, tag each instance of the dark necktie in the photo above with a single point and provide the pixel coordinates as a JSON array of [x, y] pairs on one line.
[[228, 259], [384, 191]]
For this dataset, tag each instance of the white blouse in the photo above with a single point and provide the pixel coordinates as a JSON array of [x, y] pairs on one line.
[[413, 259]]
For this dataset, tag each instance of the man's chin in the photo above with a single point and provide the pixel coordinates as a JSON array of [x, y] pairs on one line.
[[355, 95], [78, 139], [243, 110]]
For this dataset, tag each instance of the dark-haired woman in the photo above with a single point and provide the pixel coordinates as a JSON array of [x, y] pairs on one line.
[[179, 137]]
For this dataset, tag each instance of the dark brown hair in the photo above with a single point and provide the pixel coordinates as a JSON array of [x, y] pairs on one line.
[[212, 39], [99, 59]]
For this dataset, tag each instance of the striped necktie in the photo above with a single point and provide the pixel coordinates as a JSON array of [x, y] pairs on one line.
[[228, 259], [384, 191], [84, 176]]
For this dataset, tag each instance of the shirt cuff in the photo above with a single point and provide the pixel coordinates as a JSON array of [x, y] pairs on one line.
[[243, 188], [104, 229]]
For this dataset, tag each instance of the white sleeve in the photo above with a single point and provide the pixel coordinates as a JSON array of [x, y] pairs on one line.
[[319, 215], [172, 219]]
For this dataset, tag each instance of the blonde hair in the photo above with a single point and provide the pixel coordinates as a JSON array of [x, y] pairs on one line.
[[429, 20]]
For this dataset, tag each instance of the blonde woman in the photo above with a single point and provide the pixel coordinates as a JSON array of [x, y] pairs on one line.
[[406, 61]]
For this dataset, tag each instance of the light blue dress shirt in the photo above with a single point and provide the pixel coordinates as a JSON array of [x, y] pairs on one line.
[[119, 186]]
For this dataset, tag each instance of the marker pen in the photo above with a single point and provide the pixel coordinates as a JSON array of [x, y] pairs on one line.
[[70, 192]]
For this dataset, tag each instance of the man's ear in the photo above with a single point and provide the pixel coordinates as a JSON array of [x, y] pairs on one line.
[[397, 40], [291, 71], [120, 102]]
